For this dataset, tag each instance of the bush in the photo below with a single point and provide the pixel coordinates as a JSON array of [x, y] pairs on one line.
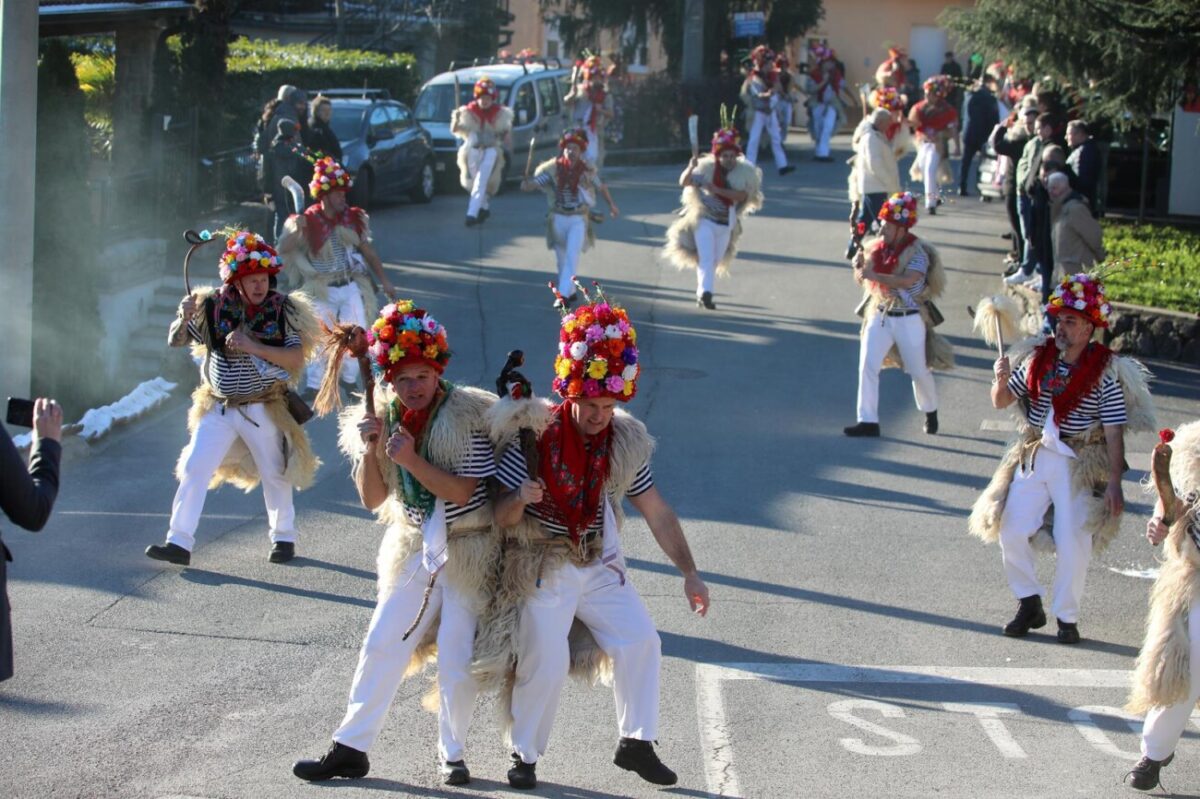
[[96, 73], [1160, 265]]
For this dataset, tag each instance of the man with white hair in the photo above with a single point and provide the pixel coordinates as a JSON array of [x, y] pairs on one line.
[[874, 175], [1078, 239]]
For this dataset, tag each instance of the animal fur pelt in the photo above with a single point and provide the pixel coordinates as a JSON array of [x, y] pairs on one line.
[[496, 642], [297, 263], [680, 248], [1089, 469], [939, 354], [464, 123], [589, 177]]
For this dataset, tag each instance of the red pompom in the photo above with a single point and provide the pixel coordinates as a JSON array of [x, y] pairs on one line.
[[1166, 435]]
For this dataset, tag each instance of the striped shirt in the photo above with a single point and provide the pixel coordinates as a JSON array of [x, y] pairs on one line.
[[714, 209], [565, 198], [513, 471], [1104, 404], [241, 375], [480, 463], [918, 264], [338, 265]]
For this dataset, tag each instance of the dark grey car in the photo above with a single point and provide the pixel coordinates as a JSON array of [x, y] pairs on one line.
[[385, 148]]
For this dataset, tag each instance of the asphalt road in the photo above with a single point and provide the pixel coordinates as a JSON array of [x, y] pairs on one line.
[[853, 646]]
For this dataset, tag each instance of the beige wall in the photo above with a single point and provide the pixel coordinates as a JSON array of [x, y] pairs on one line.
[[529, 30]]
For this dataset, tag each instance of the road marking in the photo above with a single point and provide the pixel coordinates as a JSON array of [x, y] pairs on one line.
[[903, 746], [998, 425], [988, 714]]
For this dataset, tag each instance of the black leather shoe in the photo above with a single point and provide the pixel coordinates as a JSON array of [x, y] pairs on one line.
[[339, 761], [483, 215], [862, 430], [472, 221], [932, 211], [705, 301], [931, 423], [1030, 616], [1144, 775], [455, 772], [1068, 633], [522, 775], [172, 553], [282, 552], [787, 170], [964, 193], [640, 757]]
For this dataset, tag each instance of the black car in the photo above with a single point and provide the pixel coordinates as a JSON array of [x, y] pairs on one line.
[[383, 146]]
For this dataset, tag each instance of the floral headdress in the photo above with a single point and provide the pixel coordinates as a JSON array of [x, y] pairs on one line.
[[727, 137], [939, 86], [900, 209], [577, 136], [887, 97], [328, 175], [821, 52], [247, 253], [527, 55], [486, 86], [761, 54], [597, 350], [1083, 294], [593, 69], [403, 336]]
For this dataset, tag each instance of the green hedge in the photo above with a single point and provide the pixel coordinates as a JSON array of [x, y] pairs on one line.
[[1161, 265]]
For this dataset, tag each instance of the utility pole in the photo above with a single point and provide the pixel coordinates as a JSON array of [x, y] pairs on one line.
[[693, 41], [339, 21]]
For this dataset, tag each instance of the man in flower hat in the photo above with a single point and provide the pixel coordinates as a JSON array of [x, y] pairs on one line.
[[761, 94], [935, 121], [569, 182], [719, 190], [566, 469], [827, 92], [254, 342], [324, 250], [1076, 398], [420, 458], [901, 276], [485, 126], [590, 107]]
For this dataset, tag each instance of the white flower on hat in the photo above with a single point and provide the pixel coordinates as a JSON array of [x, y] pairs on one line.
[[578, 350], [1080, 305], [612, 331], [630, 372], [430, 324], [1105, 309]]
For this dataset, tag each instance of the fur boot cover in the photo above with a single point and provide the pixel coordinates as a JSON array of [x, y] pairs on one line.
[[680, 248], [939, 354], [589, 176], [1162, 676], [464, 123], [524, 557], [1089, 468], [297, 263]]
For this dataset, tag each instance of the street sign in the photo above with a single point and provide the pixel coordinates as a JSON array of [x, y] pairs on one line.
[[749, 23]]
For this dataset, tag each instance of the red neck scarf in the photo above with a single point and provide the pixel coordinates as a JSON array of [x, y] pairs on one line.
[[935, 118], [318, 227], [574, 468], [892, 129], [596, 95], [720, 182], [885, 259], [569, 174], [486, 116], [1067, 392]]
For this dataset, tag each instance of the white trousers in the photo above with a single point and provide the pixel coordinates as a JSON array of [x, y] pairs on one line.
[[712, 240], [592, 153], [480, 163], [1165, 725], [215, 434], [824, 121], [908, 334], [345, 304], [569, 230], [784, 112], [928, 159], [1031, 494], [622, 627], [385, 656], [768, 120]]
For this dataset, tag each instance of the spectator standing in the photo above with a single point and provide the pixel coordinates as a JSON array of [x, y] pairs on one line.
[[293, 105], [320, 135], [1009, 140], [983, 114], [27, 496], [952, 70], [912, 83], [875, 175], [1078, 238], [284, 159], [1084, 161], [1054, 160], [1027, 178], [263, 133]]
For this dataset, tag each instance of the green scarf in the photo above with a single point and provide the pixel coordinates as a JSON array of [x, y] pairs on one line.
[[416, 495]]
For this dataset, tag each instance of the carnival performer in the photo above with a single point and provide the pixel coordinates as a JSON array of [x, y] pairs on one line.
[[936, 124], [590, 107], [878, 142], [324, 250], [567, 469], [420, 458], [1166, 682], [253, 341], [485, 126], [568, 182], [788, 94], [890, 72], [1077, 398], [761, 94], [901, 276], [827, 94], [719, 190]]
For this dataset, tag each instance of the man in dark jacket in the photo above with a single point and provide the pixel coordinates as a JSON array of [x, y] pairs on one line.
[[27, 497], [983, 114], [1084, 161], [1009, 140], [283, 159]]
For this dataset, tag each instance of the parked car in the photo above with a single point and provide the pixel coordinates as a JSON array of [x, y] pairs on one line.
[[389, 153], [533, 91]]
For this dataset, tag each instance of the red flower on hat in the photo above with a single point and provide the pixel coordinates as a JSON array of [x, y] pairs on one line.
[[1166, 435], [328, 175], [900, 209]]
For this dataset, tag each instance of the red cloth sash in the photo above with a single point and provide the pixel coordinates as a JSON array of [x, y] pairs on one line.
[[486, 116], [720, 182], [568, 175], [574, 468], [318, 227], [596, 96], [935, 118], [1068, 392]]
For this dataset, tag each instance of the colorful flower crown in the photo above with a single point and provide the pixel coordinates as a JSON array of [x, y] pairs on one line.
[[597, 351], [576, 136], [486, 86], [725, 139], [247, 253], [328, 175], [593, 68], [939, 85], [404, 336], [887, 97], [821, 52], [1082, 294], [900, 209]]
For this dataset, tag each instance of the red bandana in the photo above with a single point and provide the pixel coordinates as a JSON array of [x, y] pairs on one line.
[[596, 96], [935, 118], [568, 174], [318, 227], [719, 182], [892, 129], [485, 115], [885, 259], [574, 468], [415, 421], [1066, 393]]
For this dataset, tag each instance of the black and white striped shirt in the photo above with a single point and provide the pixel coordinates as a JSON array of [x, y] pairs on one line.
[[565, 198], [714, 209], [479, 463], [241, 375], [1104, 404], [338, 264], [513, 471], [918, 264]]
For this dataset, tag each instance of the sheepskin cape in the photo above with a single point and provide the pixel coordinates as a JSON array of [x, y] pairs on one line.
[[680, 248], [297, 261], [1089, 468], [523, 557], [938, 352], [464, 123], [1162, 676], [238, 467], [900, 145], [589, 177]]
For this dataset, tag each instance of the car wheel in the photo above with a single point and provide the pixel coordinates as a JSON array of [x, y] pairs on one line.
[[363, 189], [426, 184]]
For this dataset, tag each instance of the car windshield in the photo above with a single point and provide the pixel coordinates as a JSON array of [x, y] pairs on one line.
[[436, 102], [346, 122]]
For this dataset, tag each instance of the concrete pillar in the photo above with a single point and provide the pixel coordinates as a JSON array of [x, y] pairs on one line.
[[134, 79], [693, 41], [18, 131]]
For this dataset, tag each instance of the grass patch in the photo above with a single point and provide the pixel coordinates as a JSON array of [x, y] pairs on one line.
[[1162, 265]]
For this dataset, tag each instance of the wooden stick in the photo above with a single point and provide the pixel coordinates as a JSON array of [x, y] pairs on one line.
[[999, 335], [1160, 470]]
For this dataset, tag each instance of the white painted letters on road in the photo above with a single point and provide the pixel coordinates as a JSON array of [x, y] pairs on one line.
[[989, 714], [1081, 717], [903, 745]]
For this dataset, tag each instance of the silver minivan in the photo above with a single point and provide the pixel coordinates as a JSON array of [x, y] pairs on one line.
[[533, 91]]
